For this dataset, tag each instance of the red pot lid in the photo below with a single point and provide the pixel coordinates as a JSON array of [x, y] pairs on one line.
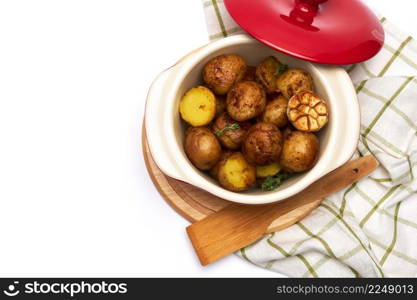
[[322, 31]]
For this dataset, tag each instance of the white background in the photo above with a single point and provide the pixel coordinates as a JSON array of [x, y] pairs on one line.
[[75, 197]]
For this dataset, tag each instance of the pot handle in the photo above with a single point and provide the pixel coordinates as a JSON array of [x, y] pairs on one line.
[[155, 125]]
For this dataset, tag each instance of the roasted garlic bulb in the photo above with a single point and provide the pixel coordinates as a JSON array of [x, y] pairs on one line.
[[307, 112]]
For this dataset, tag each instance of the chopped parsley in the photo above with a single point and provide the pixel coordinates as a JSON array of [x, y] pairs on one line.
[[280, 69], [273, 182]]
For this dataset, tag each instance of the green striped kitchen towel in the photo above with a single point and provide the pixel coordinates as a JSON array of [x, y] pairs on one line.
[[370, 228]]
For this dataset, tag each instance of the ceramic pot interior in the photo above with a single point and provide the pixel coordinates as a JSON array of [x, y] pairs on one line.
[[253, 53]]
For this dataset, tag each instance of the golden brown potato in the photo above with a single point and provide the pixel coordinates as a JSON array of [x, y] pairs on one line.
[[246, 100], [250, 74], [300, 151], [220, 105], [214, 171], [202, 148], [294, 81], [276, 111], [230, 132], [223, 71], [263, 144], [307, 111], [268, 170], [235, 173], [266, 73], [198, 106]]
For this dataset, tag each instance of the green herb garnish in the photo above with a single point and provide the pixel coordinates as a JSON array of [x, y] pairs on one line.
[[234, 126], [280, 69], [273, 182]]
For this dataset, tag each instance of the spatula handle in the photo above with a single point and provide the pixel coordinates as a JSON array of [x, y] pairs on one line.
[[237, 226]]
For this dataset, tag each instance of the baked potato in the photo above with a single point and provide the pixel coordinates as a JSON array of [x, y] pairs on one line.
[[246, 100], [263, 144], [198, 106], [266, 73], [202, 147], [268, 170], [294, 81], [299, 152], [229, 132], [235, 173], [276, 111], [223, 71], [307, 111]]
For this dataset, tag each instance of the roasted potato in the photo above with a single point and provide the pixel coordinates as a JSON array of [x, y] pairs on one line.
[[214, 171], [250, 74], [276, 111], [220, 105], [266, 73], [198, 106], [307, 111], [268, 170], [230, 132], [263, 144], [294, 81], [223, 71], [202, 147], [246, 100], [300, 151], [235, 173]]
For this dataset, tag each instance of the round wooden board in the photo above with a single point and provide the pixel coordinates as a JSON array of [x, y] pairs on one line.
[[195, 204]]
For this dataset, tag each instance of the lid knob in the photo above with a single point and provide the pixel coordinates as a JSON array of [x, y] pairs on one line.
[[314, 2], [308, 7], [303, 12]]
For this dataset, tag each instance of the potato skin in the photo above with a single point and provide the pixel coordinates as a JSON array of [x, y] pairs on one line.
[[235, 173], [202, 148], [246, 100], [263, 144], [198, 106], [276, 111], [265, 74], [231, 139], [300, 152], [223, 71], [294, 81]]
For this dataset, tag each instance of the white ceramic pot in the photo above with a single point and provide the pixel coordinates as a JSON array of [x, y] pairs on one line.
[[165, 131]]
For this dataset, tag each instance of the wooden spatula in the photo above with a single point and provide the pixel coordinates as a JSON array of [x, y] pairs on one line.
[[237, 226]]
